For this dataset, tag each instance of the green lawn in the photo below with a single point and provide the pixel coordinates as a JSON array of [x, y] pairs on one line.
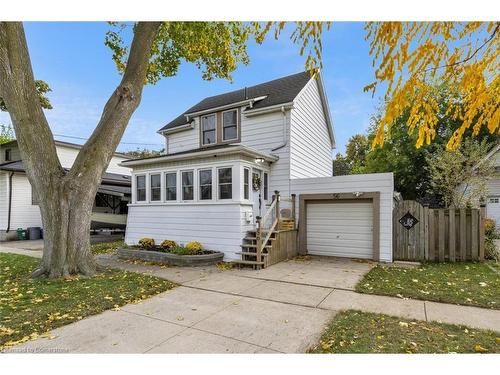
[[358, 332], [30, 308], [474, 284], [106, 247]]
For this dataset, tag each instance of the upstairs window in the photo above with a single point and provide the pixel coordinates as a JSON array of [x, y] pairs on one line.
[[8, 154], [230, 125], [171, 186], [225, 183], [155, 187], [205, 184], [187, 186], [140, 188], [208, 130]]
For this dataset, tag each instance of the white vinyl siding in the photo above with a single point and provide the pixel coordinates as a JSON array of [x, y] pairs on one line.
[[340, 229], [375, 182], [24, 214], [310, 144], [183, 140], [67, 156], [4, 196], [217, 226], [264, 133]]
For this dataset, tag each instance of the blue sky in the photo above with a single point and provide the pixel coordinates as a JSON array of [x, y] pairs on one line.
[[72, 58]]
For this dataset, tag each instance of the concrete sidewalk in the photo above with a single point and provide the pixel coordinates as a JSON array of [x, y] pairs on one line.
[[281, 309]]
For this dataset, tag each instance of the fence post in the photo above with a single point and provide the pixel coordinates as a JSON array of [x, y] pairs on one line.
[[451, 234], [277, 207], [293, 212], [482, 216]]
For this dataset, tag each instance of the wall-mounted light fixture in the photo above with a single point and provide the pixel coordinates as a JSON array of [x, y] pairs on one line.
[[259, 160]]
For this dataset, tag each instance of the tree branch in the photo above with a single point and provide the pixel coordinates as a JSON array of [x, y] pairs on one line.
[[97, 152], [471, 56], [18, 90]]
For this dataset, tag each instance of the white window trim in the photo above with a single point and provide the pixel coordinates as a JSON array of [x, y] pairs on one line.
[[232, 184], [145, 186], [201, 129], [199, 170], [195, 181], [164, 189], [249, 182], [150, 192], [237, 125]]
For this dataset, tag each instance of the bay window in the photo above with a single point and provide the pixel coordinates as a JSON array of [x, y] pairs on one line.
[[246, 183], [225, 183], [187, 186], [155, 187], [171, 186], [140, 188], [205, 182]]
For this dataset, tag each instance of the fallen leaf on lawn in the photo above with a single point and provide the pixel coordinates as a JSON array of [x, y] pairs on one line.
[[479, 349], [403, 324], [482, 283]]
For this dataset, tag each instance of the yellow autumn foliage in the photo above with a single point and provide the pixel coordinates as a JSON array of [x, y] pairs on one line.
[[410, 57]]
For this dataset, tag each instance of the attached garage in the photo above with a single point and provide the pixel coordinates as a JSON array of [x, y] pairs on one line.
[[340, 225], [342, 229]]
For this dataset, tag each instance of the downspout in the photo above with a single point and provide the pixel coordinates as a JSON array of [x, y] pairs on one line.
[[285, 138], [10, 201]]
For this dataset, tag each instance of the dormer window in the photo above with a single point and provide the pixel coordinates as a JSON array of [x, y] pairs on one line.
[[230, 125], [208, 132]]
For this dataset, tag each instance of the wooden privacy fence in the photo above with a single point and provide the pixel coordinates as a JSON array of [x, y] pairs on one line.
[[446, 234]]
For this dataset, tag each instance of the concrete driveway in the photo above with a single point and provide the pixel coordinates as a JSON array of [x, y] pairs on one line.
[[275, 310]]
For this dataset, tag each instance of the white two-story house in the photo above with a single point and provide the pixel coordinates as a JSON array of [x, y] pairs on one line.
[[225, 158]]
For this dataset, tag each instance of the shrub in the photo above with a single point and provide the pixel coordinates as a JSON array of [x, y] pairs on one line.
[[194, 246], [147, 242], [490, 234], [168, 244]]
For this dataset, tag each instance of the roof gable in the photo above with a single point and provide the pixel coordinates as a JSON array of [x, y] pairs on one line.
[[278, 91]]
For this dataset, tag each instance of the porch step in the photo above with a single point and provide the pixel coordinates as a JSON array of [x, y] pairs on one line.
[[250, 253], [248, 262], [254, 246], [255, 238]]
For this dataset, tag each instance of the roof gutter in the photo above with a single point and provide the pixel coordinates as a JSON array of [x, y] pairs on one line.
[[239, 149], [273, 108], [176, 129]]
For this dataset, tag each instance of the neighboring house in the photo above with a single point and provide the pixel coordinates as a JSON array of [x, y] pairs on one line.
[[19, 204], [493, 197], [225, 157]]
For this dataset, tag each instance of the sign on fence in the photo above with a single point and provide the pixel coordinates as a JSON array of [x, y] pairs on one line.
[[422, 233]]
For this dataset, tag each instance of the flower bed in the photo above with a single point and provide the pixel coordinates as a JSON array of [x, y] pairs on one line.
[[176, 256]]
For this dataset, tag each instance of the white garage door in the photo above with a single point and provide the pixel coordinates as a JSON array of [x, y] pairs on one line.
[[493, 209], [340, 229]]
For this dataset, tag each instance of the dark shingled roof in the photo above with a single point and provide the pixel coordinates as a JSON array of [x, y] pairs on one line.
[[279, 91]]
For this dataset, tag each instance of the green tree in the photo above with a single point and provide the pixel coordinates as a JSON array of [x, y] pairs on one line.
[[6, 134], [461, 177], [144, 153], [408, 163], [156, 51], [355, 154]]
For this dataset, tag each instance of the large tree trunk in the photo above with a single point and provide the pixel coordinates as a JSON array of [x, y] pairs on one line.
[[66, 198]]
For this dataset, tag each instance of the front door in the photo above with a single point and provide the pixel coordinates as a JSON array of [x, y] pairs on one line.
[[257, 194]]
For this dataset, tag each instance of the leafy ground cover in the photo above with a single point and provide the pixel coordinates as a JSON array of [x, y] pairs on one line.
[[106, 247], [31, 308], [475, 284], [358, 332]]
